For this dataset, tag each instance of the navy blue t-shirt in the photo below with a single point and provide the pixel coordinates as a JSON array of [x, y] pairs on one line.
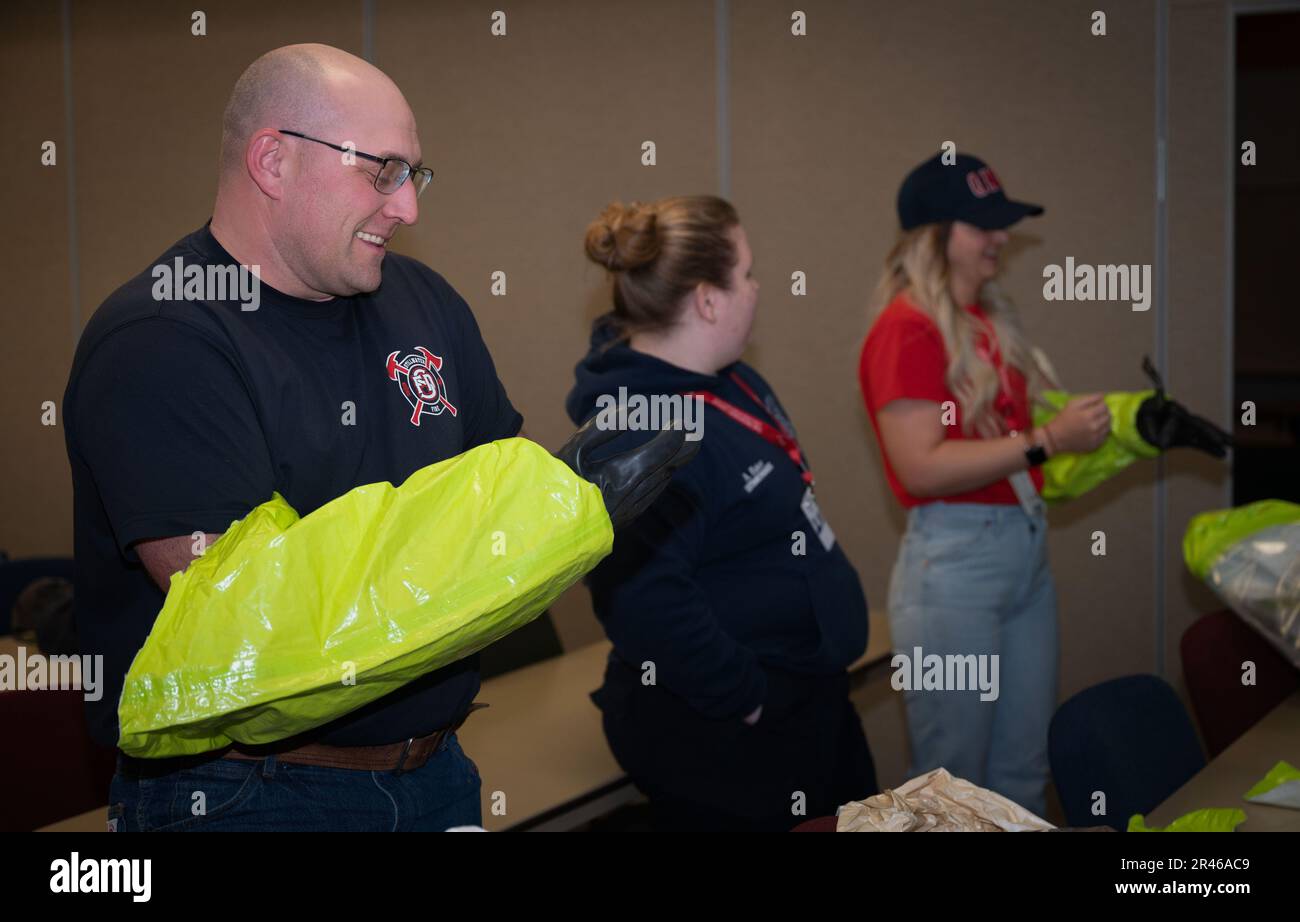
[[182, 415]]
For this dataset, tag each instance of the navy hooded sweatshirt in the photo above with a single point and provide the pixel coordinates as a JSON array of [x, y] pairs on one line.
[[707, 583]]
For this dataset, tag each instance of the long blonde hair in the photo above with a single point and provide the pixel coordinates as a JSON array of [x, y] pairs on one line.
[[917, 265]]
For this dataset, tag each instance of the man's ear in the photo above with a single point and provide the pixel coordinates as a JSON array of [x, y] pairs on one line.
[[265, 158]]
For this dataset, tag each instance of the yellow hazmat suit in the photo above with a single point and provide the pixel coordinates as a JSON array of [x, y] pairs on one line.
[[285, 624]]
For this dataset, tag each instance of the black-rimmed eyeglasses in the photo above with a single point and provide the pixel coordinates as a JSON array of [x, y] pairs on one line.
[[393, 171]]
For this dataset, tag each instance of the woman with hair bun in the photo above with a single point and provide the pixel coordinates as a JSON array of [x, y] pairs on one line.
[[732, 610]]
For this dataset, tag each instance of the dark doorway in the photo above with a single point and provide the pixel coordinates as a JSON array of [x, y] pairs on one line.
[[1266, 325]]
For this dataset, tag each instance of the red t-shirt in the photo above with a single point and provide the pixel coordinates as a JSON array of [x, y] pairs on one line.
[[903, 357]]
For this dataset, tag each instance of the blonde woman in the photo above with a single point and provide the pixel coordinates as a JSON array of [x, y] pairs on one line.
[[948, 378]]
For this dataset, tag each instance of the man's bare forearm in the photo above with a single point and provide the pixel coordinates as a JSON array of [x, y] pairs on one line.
[[164, 556]]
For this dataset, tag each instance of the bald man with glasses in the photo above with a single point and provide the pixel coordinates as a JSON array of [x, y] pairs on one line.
[[185, 409]]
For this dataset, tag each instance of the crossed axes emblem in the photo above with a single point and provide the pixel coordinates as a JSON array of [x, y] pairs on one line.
[[418, 378]]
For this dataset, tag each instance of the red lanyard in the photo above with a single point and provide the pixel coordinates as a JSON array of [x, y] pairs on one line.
[[1005, 402], [777, 436]]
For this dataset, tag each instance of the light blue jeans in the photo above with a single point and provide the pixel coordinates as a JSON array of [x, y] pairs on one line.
[[973, 578]]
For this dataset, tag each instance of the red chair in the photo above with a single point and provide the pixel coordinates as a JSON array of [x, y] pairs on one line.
[[51, 769], [1213, 650], [818, 824]]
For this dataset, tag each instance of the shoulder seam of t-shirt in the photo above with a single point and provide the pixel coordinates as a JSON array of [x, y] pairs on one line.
[[909, 332], [907, 314], [135, 321], [199, 330]]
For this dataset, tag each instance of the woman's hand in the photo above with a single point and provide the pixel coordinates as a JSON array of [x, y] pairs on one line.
[[1081, 426]]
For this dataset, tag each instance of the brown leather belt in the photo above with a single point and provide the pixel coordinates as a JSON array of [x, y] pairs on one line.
[[403, 756]]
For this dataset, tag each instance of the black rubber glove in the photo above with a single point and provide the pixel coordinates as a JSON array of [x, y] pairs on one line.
[[1165, 423], [631, 480]]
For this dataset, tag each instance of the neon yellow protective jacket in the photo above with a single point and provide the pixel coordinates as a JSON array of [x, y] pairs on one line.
[[286, 624], [1250, 557], [1067, 475]]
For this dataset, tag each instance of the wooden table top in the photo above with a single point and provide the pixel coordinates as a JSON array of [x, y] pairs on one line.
[[1237, 769]]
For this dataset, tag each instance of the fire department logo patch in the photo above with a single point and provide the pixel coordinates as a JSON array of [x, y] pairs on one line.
[[418, 378]]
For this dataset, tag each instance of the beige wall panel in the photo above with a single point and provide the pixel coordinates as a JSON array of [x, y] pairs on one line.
[[36, 323], [149, 99]]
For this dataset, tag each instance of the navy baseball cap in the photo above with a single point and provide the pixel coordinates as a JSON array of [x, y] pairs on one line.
[[966, 190]]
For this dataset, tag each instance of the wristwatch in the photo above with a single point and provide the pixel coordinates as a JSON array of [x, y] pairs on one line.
[[1035, 454]]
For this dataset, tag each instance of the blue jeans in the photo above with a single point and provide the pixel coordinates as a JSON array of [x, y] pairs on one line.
[[973, 578], [270, 795]]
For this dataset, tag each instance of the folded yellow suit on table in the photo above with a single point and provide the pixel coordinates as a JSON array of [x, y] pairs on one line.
[[286, 624]]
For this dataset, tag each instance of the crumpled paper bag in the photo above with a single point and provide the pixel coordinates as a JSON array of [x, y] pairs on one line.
[[937, 802]]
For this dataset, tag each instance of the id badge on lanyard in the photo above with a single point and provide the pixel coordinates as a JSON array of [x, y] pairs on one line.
[[1021, 483], [776, 435], [1027, 494]]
